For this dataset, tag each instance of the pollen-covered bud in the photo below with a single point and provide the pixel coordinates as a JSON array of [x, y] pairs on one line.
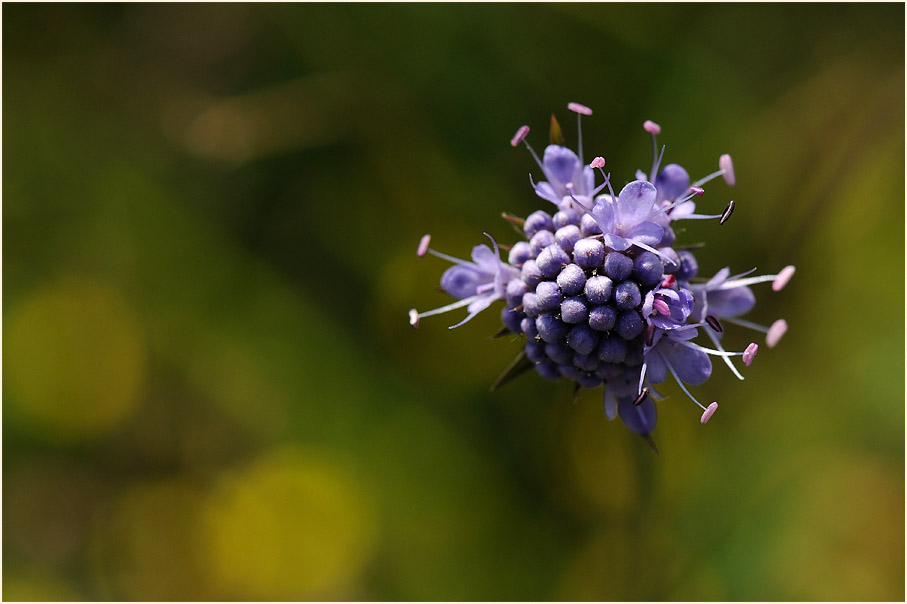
[[612, 349], [519, 253], [582, 339], [618, 266], [551, 329], [540, 241], [648, 269], [629, 324], [602, 318], [571, 280], [537, 221], [552, 259], [588, 253], [598, 289], [627, 295], [567, 236], [574, 310]]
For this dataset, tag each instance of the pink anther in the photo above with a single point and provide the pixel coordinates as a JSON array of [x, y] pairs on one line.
[[598, 162], [750, 353], [519, 136], [708, 413], [577, 108], [651, 127], [777, 329], [783, 277], [697, 190], [727, 166], [423, 245], [661, 307]]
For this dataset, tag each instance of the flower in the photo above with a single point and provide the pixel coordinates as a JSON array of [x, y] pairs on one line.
[[598, 290]]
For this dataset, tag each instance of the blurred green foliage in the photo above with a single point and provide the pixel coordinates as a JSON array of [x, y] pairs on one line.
[[211, 390]]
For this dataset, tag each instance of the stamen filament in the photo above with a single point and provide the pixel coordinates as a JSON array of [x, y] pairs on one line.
[[684, 388], [717, 353], [706, 179], [727, 360], [747, 324]]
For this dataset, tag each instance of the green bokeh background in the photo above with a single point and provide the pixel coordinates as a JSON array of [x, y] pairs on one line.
[[211, 391]]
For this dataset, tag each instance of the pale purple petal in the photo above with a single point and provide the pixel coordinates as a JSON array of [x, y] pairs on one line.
[[603, 212], [635, 203], [730, 302], [561, 166], [462, 280], [672, 183], [639, 418], [692, 366], [616, 242], [485, 259], [647, 233], [656, 368]]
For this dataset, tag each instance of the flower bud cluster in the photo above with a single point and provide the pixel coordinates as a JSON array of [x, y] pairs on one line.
[[599, 290]]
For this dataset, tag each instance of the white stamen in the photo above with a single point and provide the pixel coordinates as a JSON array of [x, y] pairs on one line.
[[423, 245], [708, 413], [414, 318], [775, 332], [727, 167], [783, 277], [520, 136], [727, 360]]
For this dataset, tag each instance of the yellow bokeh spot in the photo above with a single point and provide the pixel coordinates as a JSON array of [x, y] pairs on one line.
[[75, 359], [291, 526]]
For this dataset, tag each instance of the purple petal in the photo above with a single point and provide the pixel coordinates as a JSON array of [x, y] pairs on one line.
[[647, 233], [672, 183], [635, 203], [616, 242], [485, 259], [639, 418], [656, 368], [462, 280], [547, 192], [692, 366], [730, 302], [603, 213], [561, 165]]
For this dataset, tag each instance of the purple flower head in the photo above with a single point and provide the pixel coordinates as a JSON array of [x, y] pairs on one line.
[[597, 290]]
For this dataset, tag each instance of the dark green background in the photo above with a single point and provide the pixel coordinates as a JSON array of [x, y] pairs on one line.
[[210, 215]]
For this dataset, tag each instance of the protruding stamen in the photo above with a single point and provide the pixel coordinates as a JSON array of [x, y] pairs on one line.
[[775, 332], [712, 320], [414, 318], [727, 167], [708, 413], [661, 307], [697, 190], [727, 212], [520, 136], [750, 353], [423, 245], [641, 397], [650, 335], [651, 127], [598, 162], [578, 108], [783, 277]]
